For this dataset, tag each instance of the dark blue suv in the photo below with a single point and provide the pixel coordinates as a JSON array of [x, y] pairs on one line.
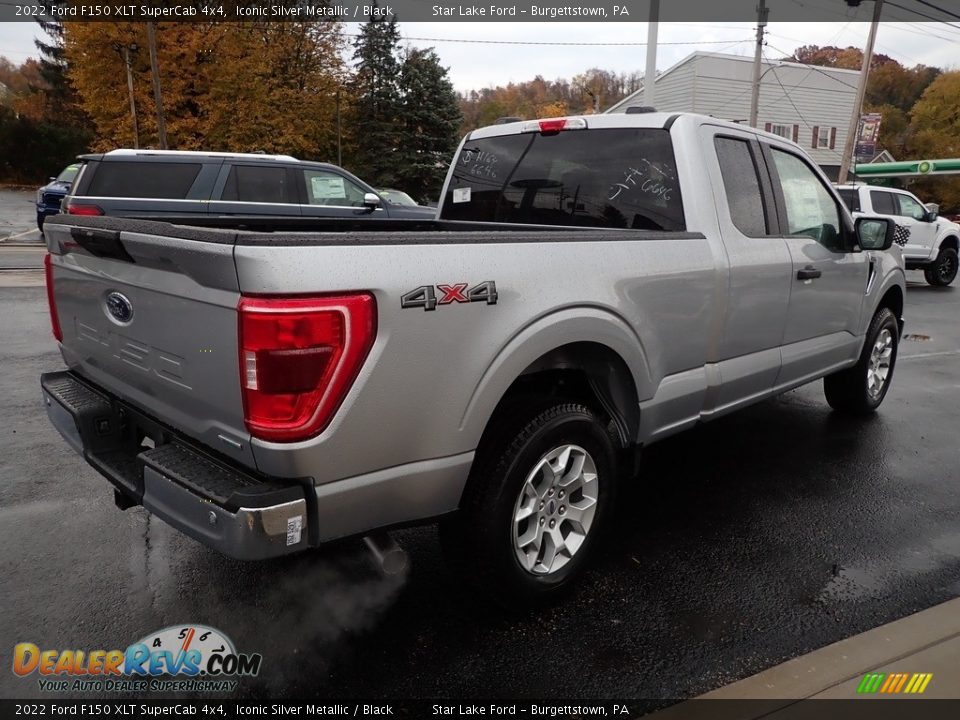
[[51, 195]]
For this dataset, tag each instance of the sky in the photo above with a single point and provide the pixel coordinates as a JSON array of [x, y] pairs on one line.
[[475, 65]]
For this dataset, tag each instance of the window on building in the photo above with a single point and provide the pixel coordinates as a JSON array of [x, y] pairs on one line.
[[784, 131], [824, 138]]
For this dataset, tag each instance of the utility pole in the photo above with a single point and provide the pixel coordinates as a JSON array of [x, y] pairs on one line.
[[339, 140], [650, 75], [851, 143], [157, 96], [125, 51], [762, 12]]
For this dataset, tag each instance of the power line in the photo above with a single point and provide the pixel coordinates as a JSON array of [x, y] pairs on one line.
[[580, 44], [935, 7], [799, 114], [811, 67]]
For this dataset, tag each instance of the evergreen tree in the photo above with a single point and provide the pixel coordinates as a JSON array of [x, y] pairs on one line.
[[377, 105], [60, 97], [430, 124]]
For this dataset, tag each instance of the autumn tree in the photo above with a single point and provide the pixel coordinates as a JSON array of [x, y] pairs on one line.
[[935, 133], [226, 86], [890, 83], [429, 125], [274, 88]]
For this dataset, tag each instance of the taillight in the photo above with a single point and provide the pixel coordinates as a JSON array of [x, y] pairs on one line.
[[74, 208], [298, 358], [51, 301], [551, 126]]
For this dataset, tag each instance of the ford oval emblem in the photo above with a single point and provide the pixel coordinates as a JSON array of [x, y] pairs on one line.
[[119, 307]]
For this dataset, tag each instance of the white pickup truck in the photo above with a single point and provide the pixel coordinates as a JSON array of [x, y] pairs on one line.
[[591, 285], [928, 242]]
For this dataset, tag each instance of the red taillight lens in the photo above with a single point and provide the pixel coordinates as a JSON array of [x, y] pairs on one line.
[[552, 125], [298, 358], [51, 301], [81, 209]]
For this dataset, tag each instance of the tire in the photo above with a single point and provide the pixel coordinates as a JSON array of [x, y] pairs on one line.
[[529, 467], [40, 219], [944, 269], [860, 390]]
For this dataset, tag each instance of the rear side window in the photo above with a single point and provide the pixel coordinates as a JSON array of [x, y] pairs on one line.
[[883, 202], [253, 183], [742, 184], [170, 181], [617, 178], [851, 198]]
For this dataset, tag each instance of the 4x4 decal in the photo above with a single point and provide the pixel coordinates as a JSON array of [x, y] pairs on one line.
[[425, 296]]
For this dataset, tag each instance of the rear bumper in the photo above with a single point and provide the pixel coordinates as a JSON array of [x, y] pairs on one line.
[[233, 511]]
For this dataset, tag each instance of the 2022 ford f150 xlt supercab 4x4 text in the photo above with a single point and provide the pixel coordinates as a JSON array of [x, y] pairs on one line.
[[265, 392]]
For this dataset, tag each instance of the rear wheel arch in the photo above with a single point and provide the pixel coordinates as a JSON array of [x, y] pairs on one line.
[[589, 372]]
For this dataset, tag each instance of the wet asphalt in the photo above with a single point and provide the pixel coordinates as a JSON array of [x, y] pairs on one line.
[[743, 543]]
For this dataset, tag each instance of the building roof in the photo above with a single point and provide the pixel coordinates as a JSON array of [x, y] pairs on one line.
[[637, 95]]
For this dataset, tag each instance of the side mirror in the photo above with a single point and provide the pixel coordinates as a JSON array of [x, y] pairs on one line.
[[875, 233], [371, 200], [930, 216], [53, 179]]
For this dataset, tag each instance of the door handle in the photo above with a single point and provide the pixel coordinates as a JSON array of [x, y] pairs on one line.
[[808, 273]]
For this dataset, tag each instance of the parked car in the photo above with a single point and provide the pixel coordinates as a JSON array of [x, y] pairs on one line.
[[180, 184], [928, 242], [397, 197], [592, 285], [50, 196]]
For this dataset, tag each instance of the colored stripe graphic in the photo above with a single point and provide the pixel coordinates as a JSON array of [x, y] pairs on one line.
[[894, 683]]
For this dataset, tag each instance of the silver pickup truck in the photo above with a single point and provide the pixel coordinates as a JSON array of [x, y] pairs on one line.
[[591, 285]]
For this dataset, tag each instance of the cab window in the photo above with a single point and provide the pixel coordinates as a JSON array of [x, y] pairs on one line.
[[811, 209], [883, 202], [329, 188], [911, 208], [258, 184]]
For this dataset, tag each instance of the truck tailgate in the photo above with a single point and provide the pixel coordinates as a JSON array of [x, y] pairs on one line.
[[154, 320]]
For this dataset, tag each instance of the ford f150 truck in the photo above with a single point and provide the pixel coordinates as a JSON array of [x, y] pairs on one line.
[[592, 285], [928, 242]]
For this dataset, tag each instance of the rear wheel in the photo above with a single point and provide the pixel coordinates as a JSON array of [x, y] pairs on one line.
[[944, 269], [861, 389], [536, 504]]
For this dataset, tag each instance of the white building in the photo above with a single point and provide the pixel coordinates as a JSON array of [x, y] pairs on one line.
[[809, 105]]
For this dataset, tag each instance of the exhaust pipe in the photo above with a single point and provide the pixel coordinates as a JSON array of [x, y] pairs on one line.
[[390, 557]]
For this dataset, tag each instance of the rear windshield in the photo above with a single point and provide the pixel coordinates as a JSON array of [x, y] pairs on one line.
[[170, 181], [68, 173], [617, 178], [851, 198]]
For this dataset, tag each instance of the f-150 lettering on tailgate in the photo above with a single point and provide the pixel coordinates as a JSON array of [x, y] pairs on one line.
[[134, 353]]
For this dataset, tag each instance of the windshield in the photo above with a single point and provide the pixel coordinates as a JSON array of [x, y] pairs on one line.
[[69, 173], [617, 178], [851, 199], [397, 197]]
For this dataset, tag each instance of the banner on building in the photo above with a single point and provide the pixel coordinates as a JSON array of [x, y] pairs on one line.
[[867, 134]]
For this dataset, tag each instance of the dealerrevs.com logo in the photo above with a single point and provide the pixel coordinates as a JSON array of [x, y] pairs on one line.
[[177, 658]]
